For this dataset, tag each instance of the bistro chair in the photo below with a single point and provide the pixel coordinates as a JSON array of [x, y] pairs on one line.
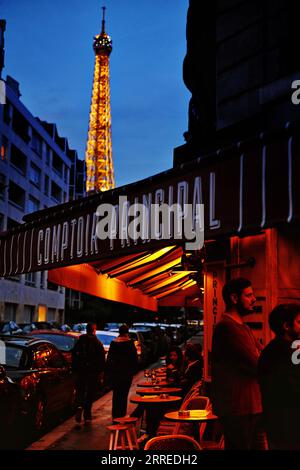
[[173, 442], [167, 427], [194, 403]]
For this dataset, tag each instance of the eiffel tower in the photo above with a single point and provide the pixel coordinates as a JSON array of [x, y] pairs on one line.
[[98, 156]]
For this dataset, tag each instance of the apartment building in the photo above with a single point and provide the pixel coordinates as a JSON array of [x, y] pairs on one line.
[[37, 170]]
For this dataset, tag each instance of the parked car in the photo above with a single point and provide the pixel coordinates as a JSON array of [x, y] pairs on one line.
[[44, 378], [106, 337], [143, 350], [80, 327], [64, 341], [10, 402], [38, 325], [159, 342], [9, 328]]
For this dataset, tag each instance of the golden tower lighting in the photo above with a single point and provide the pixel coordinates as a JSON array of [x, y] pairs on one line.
[[98, 156]]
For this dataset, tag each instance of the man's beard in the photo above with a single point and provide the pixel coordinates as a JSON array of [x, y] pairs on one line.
[[242, 311], [294, 335]]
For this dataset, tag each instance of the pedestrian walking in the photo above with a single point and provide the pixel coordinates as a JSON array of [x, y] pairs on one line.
[[279, 378], [235, 351], [121, 365], [88, 361]]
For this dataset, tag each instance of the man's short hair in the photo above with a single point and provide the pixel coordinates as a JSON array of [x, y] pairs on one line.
[[123, 330], [281, 314], [234, 286], [90, 327]]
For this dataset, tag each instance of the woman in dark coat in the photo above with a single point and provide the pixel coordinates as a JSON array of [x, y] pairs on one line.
[[122, 361], [174, 361], [193, 368]]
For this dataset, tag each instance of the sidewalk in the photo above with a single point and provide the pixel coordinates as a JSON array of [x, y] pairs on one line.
[[93, 436]]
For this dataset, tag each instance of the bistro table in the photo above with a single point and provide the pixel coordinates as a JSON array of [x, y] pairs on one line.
[[155, 399], [158, 390], [154, 407], [163, 383], [194, 417]]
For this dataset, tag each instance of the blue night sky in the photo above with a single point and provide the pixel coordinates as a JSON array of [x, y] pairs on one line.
[[48, 49]]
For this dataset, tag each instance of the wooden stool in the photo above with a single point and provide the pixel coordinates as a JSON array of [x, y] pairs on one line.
[[116, 431], [130, 421]]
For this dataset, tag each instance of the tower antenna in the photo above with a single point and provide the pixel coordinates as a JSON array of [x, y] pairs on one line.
[[103, 20]]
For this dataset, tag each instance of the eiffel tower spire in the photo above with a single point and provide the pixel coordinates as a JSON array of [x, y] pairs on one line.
[[98, 156]]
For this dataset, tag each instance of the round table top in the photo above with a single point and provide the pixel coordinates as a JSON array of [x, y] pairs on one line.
[[154, 391], [195, 415], [154, 399], [163, 383]]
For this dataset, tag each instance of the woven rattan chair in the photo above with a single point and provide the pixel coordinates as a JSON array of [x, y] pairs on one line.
[[173, 442], [194, 403], [167, 427]]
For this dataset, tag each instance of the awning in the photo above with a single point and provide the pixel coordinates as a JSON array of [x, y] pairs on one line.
[[245, 188], [140, 280]]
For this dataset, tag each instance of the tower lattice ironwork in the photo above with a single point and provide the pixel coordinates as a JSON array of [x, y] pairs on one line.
[[99, 162]]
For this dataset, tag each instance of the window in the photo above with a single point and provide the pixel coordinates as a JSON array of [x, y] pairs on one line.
[[13, 355], [56, 192], [6, 113], [4, 148], [33, 204], [42, 280], [36, 143], [51, 314], [66, 175], [48, 155], [2, 185], [30, 279], [18, 159], [28, 313], [57, 164], [55, 359], [20, 125], [10, 311], [46, 185], [40, 357], [35, 175], [16, 195]]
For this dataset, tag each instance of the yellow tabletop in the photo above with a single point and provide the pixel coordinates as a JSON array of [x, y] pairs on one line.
[[154, 399], [195, 415]]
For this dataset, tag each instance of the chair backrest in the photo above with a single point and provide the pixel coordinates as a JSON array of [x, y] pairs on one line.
[[194, 403], [173, 442], [194, 391], [197, 403]]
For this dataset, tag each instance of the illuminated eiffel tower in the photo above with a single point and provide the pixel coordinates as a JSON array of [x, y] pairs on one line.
[[98, 156]]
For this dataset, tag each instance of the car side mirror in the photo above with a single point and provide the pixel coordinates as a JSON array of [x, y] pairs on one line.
[[2, 373]]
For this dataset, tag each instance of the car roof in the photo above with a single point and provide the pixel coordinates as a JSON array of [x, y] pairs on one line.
[[105, 332], [73, 334], [22, 341]]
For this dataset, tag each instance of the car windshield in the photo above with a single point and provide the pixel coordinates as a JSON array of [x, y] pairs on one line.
[[10, 356], [62, 342], [105, 339]]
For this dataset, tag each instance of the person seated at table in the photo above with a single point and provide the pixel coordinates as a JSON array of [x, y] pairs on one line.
[[174, 362], [193, 367]]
